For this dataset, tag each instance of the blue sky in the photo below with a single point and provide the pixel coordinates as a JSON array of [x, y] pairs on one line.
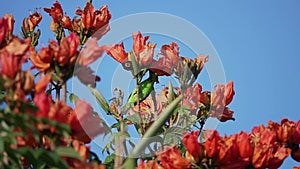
[[257, 42]]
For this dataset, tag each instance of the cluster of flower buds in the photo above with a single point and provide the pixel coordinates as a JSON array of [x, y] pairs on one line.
[[264, 147], [29, 25], [92, 22]]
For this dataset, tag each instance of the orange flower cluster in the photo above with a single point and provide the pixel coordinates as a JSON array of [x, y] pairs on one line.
[[264, 147], [170, 62], [63, 54]]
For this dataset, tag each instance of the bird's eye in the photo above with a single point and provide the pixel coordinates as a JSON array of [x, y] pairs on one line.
[[127, 65]]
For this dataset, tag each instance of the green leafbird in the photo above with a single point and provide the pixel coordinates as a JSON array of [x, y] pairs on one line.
[[146, 87]]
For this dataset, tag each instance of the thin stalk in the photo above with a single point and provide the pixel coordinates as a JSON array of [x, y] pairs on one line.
[[64, 92], [57, 94]]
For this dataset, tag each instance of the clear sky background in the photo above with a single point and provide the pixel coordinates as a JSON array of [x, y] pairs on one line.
[[257, 41]]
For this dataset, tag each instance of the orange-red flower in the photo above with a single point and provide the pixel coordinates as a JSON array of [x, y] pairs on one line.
[[228, 149], [151, 164], [172, 159], [3, 28], [43, 102], [35, 18], [67, 50], [165, 65], [226, 115], [143, 53], [117, 52], [56, 12], [192, 97], [267, 153], [190, 141], [296, 134], [37, 61], [66, 22], [220, 98], [139, 43], [88, 16], [18, 47], [201, 60], [9, 64], [10, 23], [94, 20], [244, 145], [211, 143], [102, 17], [229, 92], [91, 52], [84, 123]]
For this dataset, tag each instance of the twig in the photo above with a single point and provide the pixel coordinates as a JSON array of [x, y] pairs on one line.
[[64, 92]]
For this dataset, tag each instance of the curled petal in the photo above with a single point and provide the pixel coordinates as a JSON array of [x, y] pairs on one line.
[[37, 61], [117, 52]]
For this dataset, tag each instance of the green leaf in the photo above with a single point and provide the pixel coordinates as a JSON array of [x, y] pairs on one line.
[[173, 135], [110, 159], [67, 152], [73, 97], [100, 99], [135, 118]]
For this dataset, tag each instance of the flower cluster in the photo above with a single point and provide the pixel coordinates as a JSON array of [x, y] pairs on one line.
[[45, 128], [263, 147]]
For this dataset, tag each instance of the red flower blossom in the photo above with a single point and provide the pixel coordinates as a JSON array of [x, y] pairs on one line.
[[37, 61], [220, 98], [9, 64], [95, 20], [19, 48], [228, 150], [143, 53], [66, 22], [201, 60], [59, 112], [192, 97], [118, 52], [56, 12], [35, 18], [149, 165], [43, 102], [84, 123], [172, 159], [296, 134], [139, 43], [3, 28], [102, 17], [229, 92], [244, 145], [91, 52], [73, 40], [88, 16], [10, 23], [67, 50], [169, 60], [190, 141], [211, 142]]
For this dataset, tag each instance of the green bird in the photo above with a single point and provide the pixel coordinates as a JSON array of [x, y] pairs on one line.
[[146, 87]]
